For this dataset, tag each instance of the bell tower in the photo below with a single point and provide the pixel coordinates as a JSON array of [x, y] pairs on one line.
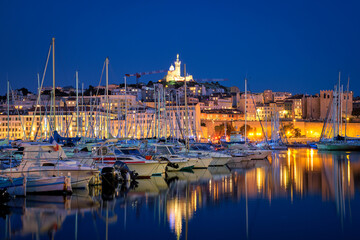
[[177, 66]]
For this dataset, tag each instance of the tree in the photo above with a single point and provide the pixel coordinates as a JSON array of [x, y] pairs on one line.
[[242, 129], [290, 131], [24, 91], [90, 90], [287, 128], [297, 132], [220, 130]]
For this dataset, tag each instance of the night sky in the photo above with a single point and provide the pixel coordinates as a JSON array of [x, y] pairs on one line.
[[295, 46]]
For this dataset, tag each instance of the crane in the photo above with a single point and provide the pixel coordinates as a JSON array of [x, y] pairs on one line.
[[138, 75]]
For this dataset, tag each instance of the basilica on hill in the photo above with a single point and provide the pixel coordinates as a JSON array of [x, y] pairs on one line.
[[174, 73]]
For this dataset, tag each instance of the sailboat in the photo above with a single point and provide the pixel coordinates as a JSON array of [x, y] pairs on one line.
[[333, 126], [240, 148], [276, 142]]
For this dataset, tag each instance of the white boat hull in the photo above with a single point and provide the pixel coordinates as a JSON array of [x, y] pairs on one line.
[[258, 154], [183, 165], [219, 161], [146, 169], [49, 185], [79, 178], [160, 169], [202, 162]]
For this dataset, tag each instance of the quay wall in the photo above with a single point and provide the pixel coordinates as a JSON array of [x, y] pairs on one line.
[[310, 130]]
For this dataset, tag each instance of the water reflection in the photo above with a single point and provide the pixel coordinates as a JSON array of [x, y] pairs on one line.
[[38, 215], [171, 205]]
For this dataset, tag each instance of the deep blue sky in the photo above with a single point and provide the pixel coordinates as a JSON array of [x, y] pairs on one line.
[[296, 46]]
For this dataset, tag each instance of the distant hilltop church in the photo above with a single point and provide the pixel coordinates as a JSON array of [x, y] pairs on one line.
[[174, 73]]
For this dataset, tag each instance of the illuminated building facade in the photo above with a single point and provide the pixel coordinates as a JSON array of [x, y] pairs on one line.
[[174, 73]]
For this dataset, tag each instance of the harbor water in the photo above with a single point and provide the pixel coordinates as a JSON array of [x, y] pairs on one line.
[[295, 194]]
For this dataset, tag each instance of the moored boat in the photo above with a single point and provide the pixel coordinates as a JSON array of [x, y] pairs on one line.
[[14, 186], [107, 154], [42, 185], [48, 160]]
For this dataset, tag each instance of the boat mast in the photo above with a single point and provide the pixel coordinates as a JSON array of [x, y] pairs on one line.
[[39, 89], [125, 110], [346, 105], [155, 115], [335, 108], [53, 62], [159, 113], [8, 109], [340, 96], [245, 107], [77, 103], [164, 104], [339, 114], [82, 109], [106, 132], [186, 113]]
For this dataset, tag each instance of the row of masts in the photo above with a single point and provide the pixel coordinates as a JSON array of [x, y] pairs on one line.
[[161, 125], [333, 123]]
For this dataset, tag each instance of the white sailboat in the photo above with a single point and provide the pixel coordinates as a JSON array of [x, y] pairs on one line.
[[332, 128]]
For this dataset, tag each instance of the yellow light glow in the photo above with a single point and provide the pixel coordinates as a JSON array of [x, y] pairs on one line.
[[259, 179]]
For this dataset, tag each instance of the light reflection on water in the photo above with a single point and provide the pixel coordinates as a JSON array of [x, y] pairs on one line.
[[295, 190]]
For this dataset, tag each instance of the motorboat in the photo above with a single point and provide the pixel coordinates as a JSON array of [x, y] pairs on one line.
[[218, 158], [238, 156], [61, 184], [108, 154], [48, 160], [166, 153], [134, 151], [253, 152]]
